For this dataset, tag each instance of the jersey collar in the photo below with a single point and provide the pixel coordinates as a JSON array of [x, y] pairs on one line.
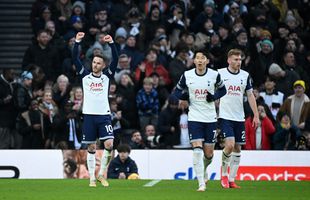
[[201, 74], [95, 75], [233, 72]]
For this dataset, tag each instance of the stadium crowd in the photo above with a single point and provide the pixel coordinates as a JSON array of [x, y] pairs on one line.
[[156, 41]]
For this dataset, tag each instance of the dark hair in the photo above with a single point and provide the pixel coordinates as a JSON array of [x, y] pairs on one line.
[[124, 148]]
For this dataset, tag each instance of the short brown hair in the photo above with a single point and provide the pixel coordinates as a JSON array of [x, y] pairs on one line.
[[234, 52], [104, 58]]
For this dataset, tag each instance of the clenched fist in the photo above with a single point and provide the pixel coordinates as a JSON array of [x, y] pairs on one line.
[[79, 36], [108, 39]]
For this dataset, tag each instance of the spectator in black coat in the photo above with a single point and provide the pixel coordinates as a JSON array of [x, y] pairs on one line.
[[122, 166], [168, 123], [44, 55], [22, 93], [7, 116]]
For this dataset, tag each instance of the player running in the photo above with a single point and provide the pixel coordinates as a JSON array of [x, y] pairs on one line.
[[96, 110], [231, 115], [204, 86]]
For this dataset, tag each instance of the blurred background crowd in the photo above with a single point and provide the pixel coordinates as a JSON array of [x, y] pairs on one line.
[[40, 105]]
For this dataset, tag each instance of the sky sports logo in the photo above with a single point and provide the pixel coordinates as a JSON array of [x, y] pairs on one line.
[[273, 173], [258, 173]]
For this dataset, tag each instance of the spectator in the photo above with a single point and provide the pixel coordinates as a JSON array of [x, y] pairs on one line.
[[45, 16], [78, 20], [161, 90], [67, 128], [175, 24], [151, 65], [61, 91], [136, 140], [135, 26], [147, 103], [283, 78], [123, 67], [101, 22], [23, 93], [291, 65], [105, 48], [119, 11], [242, 43], [132, 52], [153, 20], [56, 40], [233, 13], [297, 106], [122, 167], [44, 55], [272, 97], [209, 12], [127, 92], [286, 134], [180, 63], [120, 39], [119, 123], [150, 136], [49, 109], [168, 123], [62, 12], [264, 57], [76, 96], [7, 113], [29, 125], [259, 138]]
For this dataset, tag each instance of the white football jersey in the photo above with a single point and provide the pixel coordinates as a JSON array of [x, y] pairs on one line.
[[231, 105], [95, 89], [198, 86], [95, 100]]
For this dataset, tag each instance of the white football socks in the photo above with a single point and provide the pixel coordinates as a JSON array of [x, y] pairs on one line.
[[198, 165], [91, 165], [234, 165], [106, 157], [225, 162], [207, 162]]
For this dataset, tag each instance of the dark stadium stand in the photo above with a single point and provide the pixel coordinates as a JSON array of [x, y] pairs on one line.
[[15, 31]]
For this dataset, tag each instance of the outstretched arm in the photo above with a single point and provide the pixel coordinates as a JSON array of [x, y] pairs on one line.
[[76, 55], [114, 62]]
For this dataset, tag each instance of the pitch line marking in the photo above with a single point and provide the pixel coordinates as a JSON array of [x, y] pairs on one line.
[[152, 183]]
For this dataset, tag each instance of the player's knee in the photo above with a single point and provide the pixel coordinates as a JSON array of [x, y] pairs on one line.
[[91, 148], [108, 145], [229, 147], [209, 155], [237, 148]]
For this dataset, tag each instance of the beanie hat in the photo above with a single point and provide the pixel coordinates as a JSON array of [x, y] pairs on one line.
[[268, 42], [26, 75], [209, 3], [301, 83], [274, 69], [97, 45], [121, 32], [79, 4]]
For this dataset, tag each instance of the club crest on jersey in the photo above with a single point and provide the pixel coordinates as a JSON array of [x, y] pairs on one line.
[[234, 90], [200, 94], [96, 86]]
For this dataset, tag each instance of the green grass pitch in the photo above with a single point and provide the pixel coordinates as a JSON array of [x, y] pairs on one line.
[[74, 189]]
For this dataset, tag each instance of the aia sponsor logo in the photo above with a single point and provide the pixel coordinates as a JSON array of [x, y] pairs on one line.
[[200, 94], [96, 86], [234, 90], [273, 173]]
